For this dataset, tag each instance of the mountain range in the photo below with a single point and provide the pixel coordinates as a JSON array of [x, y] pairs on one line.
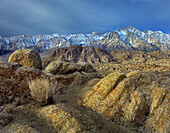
[[128, 38]]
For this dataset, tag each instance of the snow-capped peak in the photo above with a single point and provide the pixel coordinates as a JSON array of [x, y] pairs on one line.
[[127, 36], [160, 32], [149, 32]]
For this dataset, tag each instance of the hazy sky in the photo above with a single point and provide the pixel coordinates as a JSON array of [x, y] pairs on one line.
[[30, 17]]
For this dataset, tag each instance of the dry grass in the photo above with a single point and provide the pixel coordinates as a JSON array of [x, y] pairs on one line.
[[42, 91]]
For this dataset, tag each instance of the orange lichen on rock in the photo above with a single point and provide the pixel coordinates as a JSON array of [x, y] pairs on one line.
[[139, 99]]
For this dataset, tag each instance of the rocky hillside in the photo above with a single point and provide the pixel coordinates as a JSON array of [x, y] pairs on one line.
[[76, 53], [138, 99], [83, 100], [99, 56], [128, 38]]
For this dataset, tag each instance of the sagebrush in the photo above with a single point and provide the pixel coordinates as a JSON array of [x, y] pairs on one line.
[[42, 90]]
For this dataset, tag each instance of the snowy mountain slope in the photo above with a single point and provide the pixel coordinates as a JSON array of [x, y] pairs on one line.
[[48, 41], [133, 35], [128, 38]]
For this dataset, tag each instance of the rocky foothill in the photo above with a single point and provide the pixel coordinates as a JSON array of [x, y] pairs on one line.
[[109, 61], [94, 91]]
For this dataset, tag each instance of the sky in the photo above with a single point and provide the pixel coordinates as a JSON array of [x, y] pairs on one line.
[[32, 17]]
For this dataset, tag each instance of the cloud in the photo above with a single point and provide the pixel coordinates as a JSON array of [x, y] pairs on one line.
[[79, 16]]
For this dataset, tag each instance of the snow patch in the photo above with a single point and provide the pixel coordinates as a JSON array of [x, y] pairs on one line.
[[150, 32]]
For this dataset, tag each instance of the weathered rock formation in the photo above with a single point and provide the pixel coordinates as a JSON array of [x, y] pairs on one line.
[[68, 119], [14, 80], [109, 61], [60, 117], [26, 57], [77, 53], [61, 67], [138, 99], [98, 55], [124, 101]]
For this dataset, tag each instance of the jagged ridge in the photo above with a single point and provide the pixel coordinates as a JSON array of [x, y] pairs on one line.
[[128, 38]]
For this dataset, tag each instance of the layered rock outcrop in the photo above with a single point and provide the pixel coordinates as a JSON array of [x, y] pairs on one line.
[[139, 99]]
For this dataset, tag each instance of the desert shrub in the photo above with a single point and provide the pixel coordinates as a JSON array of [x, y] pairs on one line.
[[42, 91]]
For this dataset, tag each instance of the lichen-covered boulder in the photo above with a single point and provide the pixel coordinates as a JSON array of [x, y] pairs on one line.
[[138, 99], [26, 57], [63, 119], [61, 67]]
